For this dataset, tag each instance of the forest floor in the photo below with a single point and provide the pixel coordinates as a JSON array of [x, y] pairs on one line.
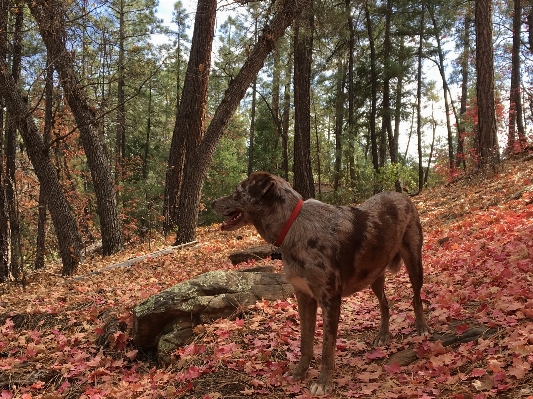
[[478, 259]]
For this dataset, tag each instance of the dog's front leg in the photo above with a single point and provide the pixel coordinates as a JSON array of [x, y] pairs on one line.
[[307, 307], [331, 309], [378, 287]]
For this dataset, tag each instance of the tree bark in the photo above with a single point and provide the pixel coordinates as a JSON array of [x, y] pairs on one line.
[[339, 121], [196, 167], [440, 65], [11, 152], [48, 122], [460, 155], [188, 129], [4, 237], [373, 82], [516, 124], [303, 47], [487, 140], [51, 19], [68, 237], [419, 99]]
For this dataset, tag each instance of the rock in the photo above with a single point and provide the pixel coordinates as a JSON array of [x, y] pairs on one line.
[[253, 253], [167, 319]]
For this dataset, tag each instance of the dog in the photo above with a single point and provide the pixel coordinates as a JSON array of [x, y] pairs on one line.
[[329, 252]]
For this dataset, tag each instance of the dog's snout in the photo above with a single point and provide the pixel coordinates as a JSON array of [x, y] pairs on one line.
[[213, 204]]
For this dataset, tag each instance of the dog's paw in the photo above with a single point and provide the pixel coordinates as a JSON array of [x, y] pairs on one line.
[[320, 389], [422, 328], [382, 339], [298, 373]]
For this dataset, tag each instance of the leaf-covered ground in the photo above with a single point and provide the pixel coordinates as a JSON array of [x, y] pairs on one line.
[[478, 258]]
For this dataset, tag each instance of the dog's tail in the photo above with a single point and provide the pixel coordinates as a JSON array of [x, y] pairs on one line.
[[395, 264]]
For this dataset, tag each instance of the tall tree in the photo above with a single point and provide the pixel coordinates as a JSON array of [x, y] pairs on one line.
[[4, 237], [465, 68], [516, 122], [487, 143], [52, 21], [440, 65], [188, 129], [47, 133], [419, 96], [11, 149], [374, 84], [303, 48]]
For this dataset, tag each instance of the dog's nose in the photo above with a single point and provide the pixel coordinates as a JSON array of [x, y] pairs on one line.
[[213, 203]]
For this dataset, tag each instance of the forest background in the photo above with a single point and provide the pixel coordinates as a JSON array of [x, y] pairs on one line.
[[121, 138]]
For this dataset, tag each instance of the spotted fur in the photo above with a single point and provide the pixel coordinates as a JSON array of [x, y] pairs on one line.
[[331, 252]]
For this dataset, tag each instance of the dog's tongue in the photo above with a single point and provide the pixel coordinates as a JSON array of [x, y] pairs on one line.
[[232, 219]]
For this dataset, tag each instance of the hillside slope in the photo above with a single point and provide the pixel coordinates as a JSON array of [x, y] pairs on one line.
[[478, 258]]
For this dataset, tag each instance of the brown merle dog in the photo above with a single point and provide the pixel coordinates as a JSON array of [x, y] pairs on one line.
[[330, 252]]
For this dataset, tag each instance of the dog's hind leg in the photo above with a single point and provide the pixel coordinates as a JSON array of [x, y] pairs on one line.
[[378, 287], [307, 307], [411, 251]]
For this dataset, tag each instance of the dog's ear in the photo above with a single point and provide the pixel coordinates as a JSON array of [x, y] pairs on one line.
[[260, 185]]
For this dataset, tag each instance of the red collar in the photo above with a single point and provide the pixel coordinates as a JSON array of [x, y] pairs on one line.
[[289, 223]]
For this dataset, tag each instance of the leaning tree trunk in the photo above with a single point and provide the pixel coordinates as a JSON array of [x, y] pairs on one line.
[[51, 18], [303, 47], [196, 168], [64, 223]]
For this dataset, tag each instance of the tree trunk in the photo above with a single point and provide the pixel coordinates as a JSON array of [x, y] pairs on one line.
[[303, 47], [351, 133], [487, 139], [4, 236], [196, 168], [285, 119], [51, 18], [188, 130], [460, 157], [64, 222], [386, 127], [120, 136], [440, 65], [252, 128], [339, 122], [419, 99], [11, 152], [516, 124], [374, 82], [48, 122]]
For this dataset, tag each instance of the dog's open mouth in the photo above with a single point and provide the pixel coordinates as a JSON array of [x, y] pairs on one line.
[[232, 220]]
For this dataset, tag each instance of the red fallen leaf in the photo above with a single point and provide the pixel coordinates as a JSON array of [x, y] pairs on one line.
[[377, 354], [478, 372], [394, 368], [461, 328], [38, 385]]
